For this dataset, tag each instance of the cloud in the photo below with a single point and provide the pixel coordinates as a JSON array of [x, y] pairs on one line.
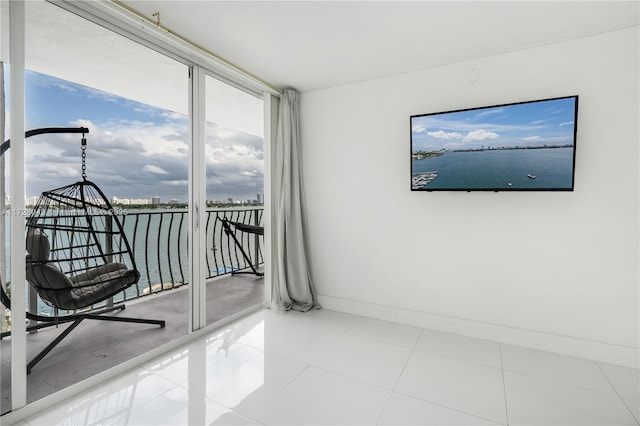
[[150, 168], [139, 151], [172, 115], [117, 161], [418, 129], [41, 80], [566, 123], [441, 134], [66, 88], [54, 172], [479, 135], [532, 138], [139, 160], [488, 112], [91, 93]]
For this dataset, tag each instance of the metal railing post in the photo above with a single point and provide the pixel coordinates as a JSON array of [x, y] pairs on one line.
[[33, 304], [109, 247], [256, 222]]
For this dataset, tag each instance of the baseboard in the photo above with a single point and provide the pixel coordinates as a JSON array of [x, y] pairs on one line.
[[565, 345]]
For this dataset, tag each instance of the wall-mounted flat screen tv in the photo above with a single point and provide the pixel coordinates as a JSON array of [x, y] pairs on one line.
[[525, 146]]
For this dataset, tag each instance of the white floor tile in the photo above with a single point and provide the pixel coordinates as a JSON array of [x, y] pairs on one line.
[[367, 360], [244, 378], [537, 401], [319, 397], [338, 322], [362, 359], [405, 410], [555, 367], [117, 396], [181, 407], [625, 380], [472, 388], [315, 319], [385, 331], [201, 354], [67, 415], [324, 367], [142, 385], [254, 335], [460, 347], [290, 335], [172, 367]]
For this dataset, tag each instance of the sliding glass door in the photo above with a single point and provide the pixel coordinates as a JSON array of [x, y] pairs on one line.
[[173, 226], [123, 110], [234, 153]]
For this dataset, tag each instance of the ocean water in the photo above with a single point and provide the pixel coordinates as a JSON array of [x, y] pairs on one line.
[[495, 169]]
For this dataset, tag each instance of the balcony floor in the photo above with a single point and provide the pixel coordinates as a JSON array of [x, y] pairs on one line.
[[95, 346]]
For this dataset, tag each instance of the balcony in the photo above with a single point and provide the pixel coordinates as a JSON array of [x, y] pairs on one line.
[[159, 242]]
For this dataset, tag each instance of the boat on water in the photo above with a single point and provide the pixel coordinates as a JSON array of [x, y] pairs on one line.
[[420, 180], [531, 176]]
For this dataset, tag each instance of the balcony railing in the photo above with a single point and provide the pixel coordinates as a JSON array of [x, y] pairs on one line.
[[158, 239]]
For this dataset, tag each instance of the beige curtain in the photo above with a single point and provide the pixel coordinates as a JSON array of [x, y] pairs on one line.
[[292, 284]]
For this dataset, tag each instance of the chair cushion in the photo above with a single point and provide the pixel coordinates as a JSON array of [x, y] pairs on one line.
[[100, 273], [38, 245], [46, 275], [102, 287], [78, 297], [82, 290]]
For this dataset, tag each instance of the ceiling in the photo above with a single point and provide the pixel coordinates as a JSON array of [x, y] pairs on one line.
[[310, 45]]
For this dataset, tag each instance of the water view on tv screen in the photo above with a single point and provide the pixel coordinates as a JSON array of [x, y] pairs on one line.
[[527, 146]]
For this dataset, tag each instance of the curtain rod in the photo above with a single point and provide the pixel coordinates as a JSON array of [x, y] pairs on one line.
[[194, 44]]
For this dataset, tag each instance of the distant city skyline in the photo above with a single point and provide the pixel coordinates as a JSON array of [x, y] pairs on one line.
[[134, 150], [32, 200]]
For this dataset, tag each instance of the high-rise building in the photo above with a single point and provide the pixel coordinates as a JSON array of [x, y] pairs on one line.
[[31, 201], [155, 200], [140, 201], [260, 198]]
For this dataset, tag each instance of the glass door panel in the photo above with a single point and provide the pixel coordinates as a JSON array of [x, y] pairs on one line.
[[133, 101], [234, 151]]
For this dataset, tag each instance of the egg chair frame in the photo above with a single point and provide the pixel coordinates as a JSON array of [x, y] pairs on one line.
[[77, 254]]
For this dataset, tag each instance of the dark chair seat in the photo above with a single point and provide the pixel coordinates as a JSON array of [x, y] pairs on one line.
[[82, 290], [72, 292]]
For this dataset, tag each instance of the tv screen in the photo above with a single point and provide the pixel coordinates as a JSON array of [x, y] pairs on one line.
[[525, 146]]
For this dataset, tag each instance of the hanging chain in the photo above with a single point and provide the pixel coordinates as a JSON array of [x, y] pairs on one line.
[[84, 157]]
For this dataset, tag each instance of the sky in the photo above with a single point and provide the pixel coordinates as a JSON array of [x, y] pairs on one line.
[[134, 150], [549, 122]]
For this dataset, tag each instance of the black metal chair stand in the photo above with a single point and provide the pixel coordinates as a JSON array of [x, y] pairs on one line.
[[75, 319], [78, 254], [243, 227]]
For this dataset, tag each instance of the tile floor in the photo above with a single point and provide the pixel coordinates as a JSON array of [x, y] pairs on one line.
[[329, 368]]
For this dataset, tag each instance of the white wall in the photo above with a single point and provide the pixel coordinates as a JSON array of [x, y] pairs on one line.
[[554, 271]]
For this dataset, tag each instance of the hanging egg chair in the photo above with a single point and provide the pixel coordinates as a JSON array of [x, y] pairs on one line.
[[78, 254]]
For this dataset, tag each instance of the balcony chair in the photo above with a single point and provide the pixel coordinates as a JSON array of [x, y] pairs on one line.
[[242, 227], [77, 256]]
